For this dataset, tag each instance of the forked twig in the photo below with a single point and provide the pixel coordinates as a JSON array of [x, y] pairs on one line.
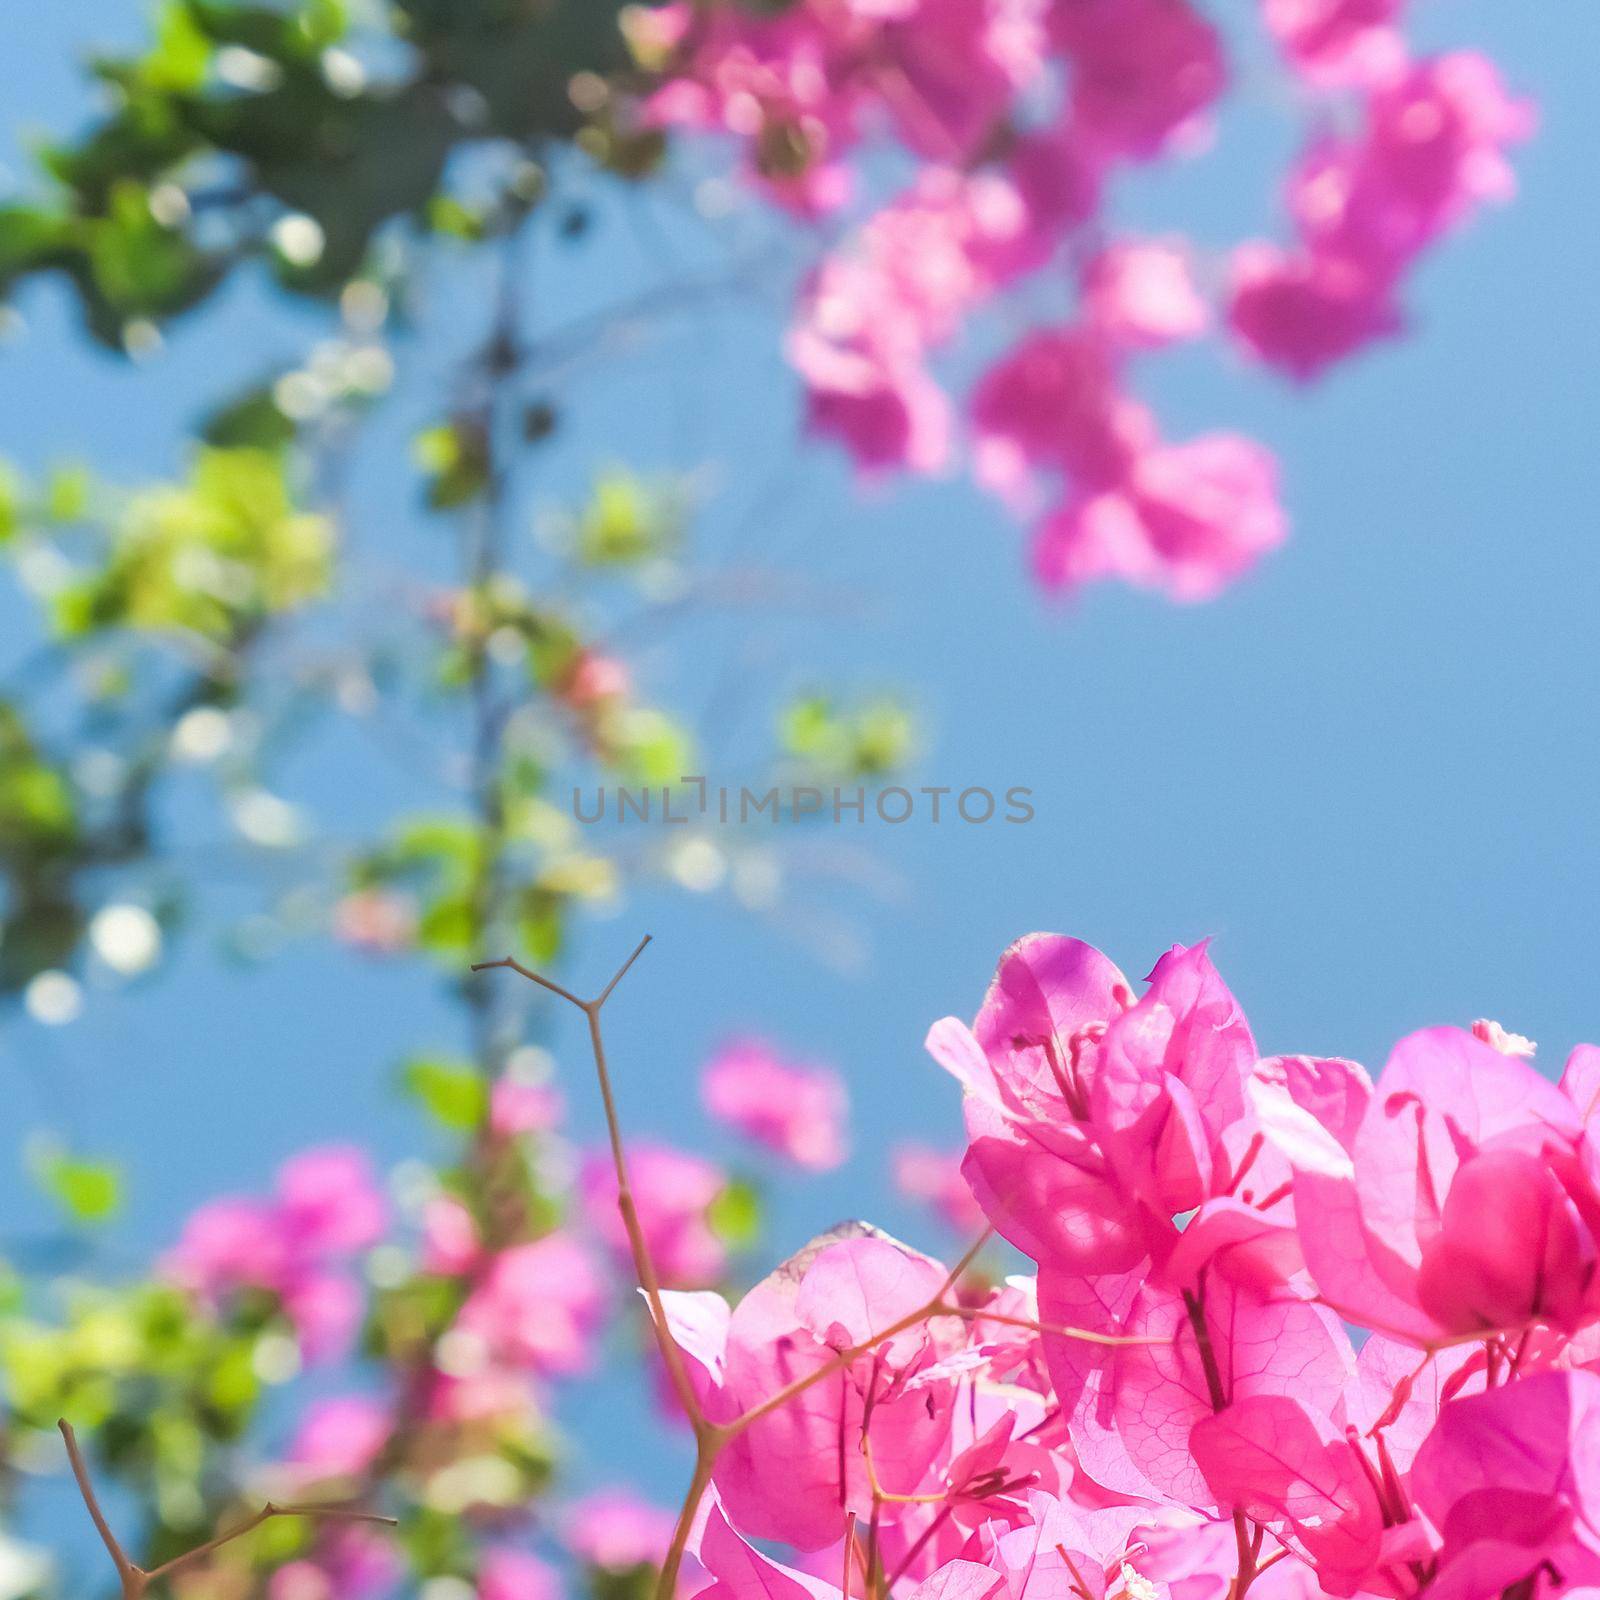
[[136, 1579], [643, 1262]]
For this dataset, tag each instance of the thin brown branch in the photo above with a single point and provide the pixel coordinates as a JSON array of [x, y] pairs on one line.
[[132, 1579], [136, 1579], [266, 1514], [532, 977], [638, 1245]]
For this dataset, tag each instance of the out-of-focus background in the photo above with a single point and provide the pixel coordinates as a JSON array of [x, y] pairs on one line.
[[1369, 771]]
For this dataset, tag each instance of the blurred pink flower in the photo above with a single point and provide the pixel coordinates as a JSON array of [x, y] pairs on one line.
[[506, 1573], [1190, 519], [296, 1245], [594, 679], [449, 1237], [1143, 71], [1334, 42], [538, 1307], [1142, 293], [1432, 149], [328, 1201], [340, 1438], [517, 1108], [1054, 403], [377, 922], [349, 1562], [325, 1308], [933, 1177], [1303, 312], [799, 1111], [615, 1530], [673, 1192]]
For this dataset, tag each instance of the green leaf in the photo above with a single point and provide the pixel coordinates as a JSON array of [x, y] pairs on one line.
[[31, 238], [735, 1215], [452, 1092], [182, 51], [450, 217], [138, 266], [454, 456], [868, 742], [542, 928], [210, 556], [88, 1191], [253, 421], [628, 521], [10, 503], [651, 748], [67, 494], [448, 928]]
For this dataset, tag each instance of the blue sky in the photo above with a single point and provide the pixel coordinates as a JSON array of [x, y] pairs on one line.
[[1370, 771]]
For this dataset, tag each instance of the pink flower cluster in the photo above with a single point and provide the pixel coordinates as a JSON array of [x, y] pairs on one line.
[[797, 1111], [296, 1247], [1430, 149], [1018, 114], [1173, 1406], [673, 1191]]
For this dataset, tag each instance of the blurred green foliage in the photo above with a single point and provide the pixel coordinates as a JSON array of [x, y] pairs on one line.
[[203, 624], [253, 133]]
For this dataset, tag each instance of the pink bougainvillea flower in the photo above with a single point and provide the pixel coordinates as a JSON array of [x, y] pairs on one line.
[[227, 1243], [793, 87], [1302, 312], [1511, 1479], [1432, 150], [933, 1177], [1054, 404], [1339, 42], [348, 1562], [538, 1306], [1464, 1200], [988, 1480], [887, 416], [1143, 71], [1142, 294], [328, 1202], [507, 1573], [1134, 1407], [875, 311], [450, 1244], [1293, 1471], [797, 1110], [739, 1571], [1094, 1119], [1189, 519], [1031, 1161], [340, 1438], [951, 68], [296, 1245], [1497, 1038], [520, 1108], [673, 1192], [1067, 1549], [1016, 117], [616, 1531], [788, 1475]]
